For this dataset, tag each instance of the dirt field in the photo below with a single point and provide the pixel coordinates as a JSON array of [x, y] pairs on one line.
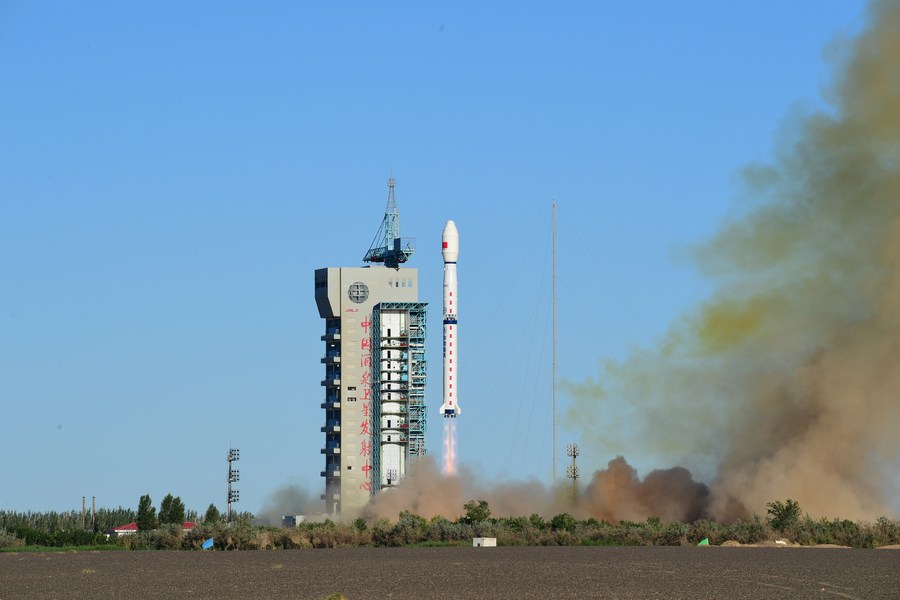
[[567, 572]]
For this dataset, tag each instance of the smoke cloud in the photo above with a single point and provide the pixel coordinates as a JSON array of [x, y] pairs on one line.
[[287, 500], [429, 493], [785, 382], [614, 494]]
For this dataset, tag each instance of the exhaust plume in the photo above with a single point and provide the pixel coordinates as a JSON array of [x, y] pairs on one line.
[[449, 447], [784, 383]]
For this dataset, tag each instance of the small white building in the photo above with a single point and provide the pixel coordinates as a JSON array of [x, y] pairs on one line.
[[484, 542], [289, 521]]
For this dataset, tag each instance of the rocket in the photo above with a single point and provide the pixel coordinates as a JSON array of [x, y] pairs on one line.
[[450, 252]]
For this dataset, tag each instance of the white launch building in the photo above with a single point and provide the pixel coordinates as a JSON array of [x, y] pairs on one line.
[[374, 370]]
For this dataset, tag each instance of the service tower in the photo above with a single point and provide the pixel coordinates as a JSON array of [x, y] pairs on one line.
[[374, 369]]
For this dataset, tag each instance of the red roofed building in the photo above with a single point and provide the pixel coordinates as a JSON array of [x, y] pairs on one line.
[[132, 528], [125, 529]]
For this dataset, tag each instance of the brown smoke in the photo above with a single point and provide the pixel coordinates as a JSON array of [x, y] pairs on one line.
[[429, 493], [786, 382], [616, 494]]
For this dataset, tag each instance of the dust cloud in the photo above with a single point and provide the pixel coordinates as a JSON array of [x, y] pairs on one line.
[[785, 382], [614, 494], [427, 492], [287, 500]]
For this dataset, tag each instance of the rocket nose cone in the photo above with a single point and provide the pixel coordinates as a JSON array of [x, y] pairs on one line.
[[450, 229], [450, 242]]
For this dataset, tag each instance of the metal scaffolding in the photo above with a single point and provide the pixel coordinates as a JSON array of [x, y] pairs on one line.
[[404, 380]]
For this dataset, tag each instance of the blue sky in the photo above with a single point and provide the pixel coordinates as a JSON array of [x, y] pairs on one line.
[[171, 176]]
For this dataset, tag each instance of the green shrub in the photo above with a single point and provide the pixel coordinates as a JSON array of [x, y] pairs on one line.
[[8, 539], [783, 516]]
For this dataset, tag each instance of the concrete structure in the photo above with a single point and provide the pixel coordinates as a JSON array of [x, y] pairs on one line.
[[374, 380], [484, 542]]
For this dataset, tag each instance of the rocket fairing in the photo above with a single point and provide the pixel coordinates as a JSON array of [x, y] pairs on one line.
[[450, 252]]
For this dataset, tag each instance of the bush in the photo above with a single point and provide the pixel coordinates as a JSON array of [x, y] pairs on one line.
[[383, 534], [886, 532], [746, 532], [8, 539], [476, 511], [783, 517], [563, 522]]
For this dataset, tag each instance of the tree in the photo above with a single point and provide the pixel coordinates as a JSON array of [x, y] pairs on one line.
[[783, 516], [146, 515], [476, 511], [171, 510], [178, 511], [212, 514], [563, 522]]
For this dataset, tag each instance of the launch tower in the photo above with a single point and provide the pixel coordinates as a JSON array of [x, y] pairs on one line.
[[374, 369]]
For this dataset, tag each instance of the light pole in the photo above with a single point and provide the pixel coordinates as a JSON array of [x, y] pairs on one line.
[[234, 476], [572, 470]]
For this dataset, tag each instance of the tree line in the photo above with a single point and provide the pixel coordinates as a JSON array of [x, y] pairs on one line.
[[77, 528], [784, 520]]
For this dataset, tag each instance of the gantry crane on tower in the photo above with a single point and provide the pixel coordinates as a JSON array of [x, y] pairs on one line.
[[393, 250]]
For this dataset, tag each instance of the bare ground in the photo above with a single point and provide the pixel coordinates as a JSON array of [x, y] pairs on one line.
[[397, 573]]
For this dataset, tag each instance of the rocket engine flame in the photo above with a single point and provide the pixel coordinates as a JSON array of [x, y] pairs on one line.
[[449, 467]]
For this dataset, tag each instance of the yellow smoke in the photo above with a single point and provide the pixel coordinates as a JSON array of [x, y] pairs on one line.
[[786, 383]]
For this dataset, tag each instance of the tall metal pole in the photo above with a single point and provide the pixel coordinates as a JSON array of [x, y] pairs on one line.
[[572, 470], [554, 340], [233, 477]]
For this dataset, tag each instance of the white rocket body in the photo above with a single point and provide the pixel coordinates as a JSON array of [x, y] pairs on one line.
[[450, 252]]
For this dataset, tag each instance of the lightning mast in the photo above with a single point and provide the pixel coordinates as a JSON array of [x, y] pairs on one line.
[[393, 250], [553, 384]]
